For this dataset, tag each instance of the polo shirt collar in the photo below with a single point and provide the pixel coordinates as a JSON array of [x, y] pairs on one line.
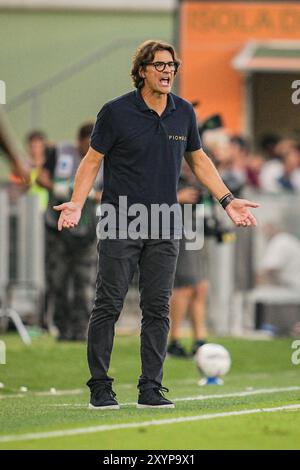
[[143, 106]]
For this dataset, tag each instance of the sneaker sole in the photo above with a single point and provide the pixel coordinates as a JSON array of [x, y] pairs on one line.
[[107, 407], [154, 406]]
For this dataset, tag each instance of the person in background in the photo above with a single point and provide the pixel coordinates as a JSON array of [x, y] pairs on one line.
[[277, 278], [284, 175], [70, 255], [36, 148], [230, 155], [272, 168], [269, 146], [236, 175], [255, 163], [289, 180], [191, 284], [15, 177], [280, 265]]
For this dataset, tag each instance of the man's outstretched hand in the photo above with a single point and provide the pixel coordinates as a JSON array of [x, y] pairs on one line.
[[239, 213], [69, 215]]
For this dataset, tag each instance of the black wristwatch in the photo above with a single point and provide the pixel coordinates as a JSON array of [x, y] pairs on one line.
[[225, 200]]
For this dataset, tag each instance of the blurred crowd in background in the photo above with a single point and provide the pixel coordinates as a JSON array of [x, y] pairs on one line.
[[272, 166]]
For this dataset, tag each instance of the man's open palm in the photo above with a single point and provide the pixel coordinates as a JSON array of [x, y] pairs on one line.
[[239, 213], [69, 216]]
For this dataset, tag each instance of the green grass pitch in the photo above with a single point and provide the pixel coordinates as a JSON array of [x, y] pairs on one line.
[[262, 378]]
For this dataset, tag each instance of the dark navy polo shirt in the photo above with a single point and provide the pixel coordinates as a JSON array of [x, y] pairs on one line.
[[143, 151]]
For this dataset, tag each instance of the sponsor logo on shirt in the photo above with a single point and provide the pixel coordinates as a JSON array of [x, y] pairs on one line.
[[181, 138]]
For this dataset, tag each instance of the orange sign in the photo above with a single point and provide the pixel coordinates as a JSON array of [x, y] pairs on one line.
[[211, 35]]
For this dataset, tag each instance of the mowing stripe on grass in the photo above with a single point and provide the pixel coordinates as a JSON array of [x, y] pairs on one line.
[[159, 422]]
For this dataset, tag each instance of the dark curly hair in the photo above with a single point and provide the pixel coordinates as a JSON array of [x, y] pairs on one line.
[[144, 54]]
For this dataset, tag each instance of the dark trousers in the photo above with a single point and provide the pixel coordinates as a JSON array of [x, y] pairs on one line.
[[118, 260]]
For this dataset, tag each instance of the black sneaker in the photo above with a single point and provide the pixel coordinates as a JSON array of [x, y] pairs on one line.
[[103, 398], [197, 344], [176, 349], [64, 337], [79, 337], [154, 398]]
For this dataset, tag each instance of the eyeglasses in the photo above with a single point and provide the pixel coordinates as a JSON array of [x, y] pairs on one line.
[[161, 66]]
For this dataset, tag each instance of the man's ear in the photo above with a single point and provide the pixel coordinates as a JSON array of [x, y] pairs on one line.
[[141, 72]]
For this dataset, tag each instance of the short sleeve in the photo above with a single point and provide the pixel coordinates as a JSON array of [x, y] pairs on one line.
[[193, 140], [104, 133]]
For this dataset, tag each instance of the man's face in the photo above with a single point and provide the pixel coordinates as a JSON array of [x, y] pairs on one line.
[[36, 150], [155, 81], [291, 160]]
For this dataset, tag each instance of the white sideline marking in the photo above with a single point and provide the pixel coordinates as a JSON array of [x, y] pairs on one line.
[[58, 393], [76, 391], [80, 391], [159, 422], [14, 395], [259, 391], [247, 393]]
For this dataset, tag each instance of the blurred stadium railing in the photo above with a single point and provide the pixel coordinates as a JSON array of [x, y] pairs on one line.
[[22, 279]]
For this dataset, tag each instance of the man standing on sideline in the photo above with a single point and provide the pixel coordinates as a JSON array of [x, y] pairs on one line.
[[142, 137]]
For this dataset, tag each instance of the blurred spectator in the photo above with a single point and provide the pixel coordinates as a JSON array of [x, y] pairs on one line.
[[70, 254], [255, 163], [36, 147], [268, 145], [276, 170], [18, 179], [191, 285], [270, 172], [284, 146], [280, 265], [230, 155], [216, 142], [284, 175], [290, 177], [239, 150], [278, 283]]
